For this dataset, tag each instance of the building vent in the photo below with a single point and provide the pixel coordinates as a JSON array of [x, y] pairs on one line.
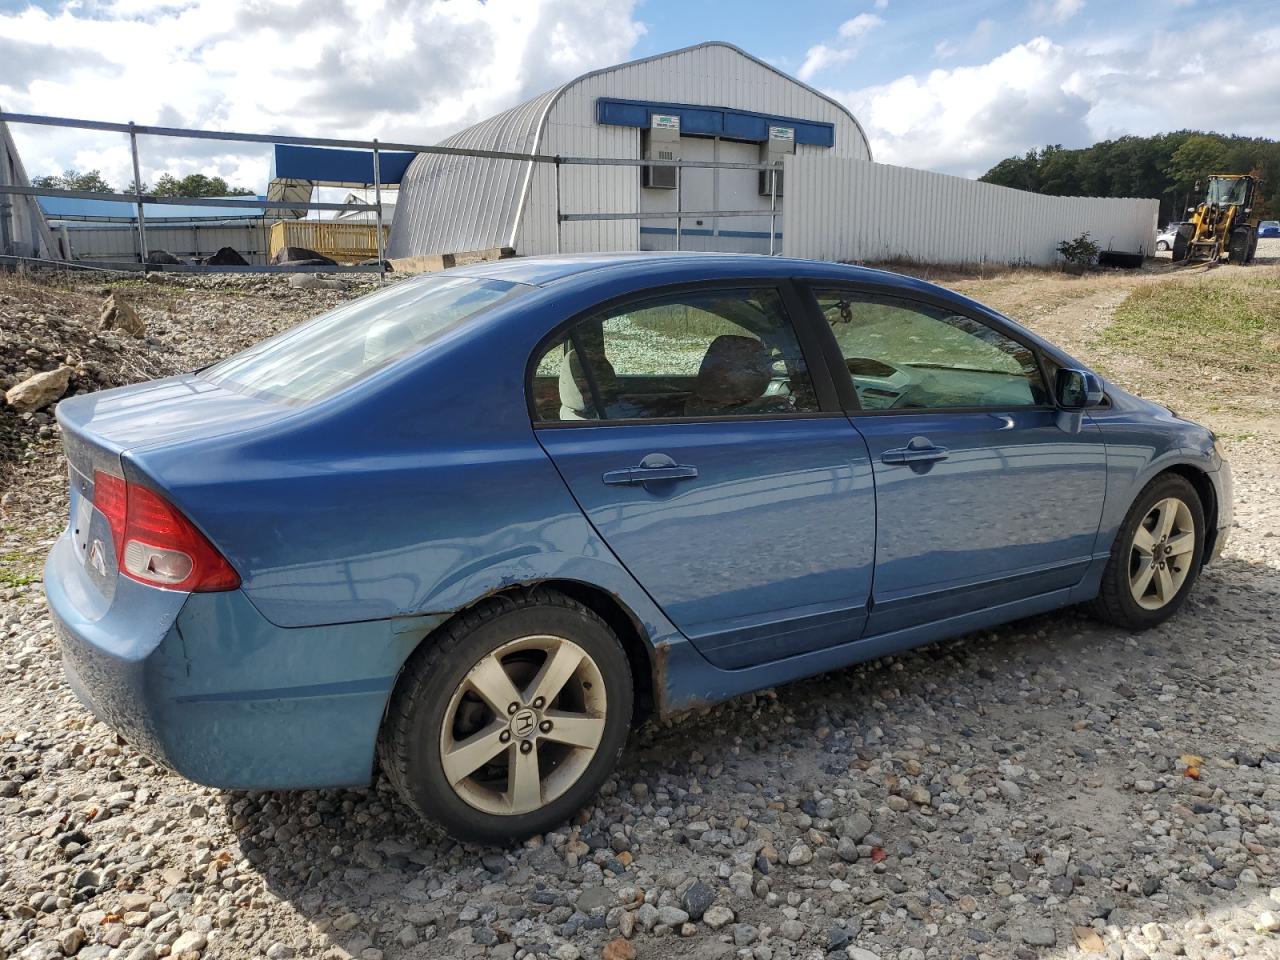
[[660, 142], [782, 141]]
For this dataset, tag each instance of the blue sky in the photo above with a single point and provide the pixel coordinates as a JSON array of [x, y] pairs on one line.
[[949, 86]]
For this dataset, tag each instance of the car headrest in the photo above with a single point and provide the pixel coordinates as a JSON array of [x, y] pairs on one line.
[[735, 370], [575, 390]]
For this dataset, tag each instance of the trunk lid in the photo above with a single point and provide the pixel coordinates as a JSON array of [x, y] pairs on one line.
[[99, 429], [166, 411]]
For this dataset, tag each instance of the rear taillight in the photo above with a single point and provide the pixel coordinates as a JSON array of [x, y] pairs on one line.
[[155, 543]]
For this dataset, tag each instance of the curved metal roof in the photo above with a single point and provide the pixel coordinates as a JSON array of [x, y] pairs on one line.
[[452, 204], [432, 217]]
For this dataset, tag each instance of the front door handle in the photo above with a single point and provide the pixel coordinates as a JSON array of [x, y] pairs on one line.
[[917, 450], [656, 466]]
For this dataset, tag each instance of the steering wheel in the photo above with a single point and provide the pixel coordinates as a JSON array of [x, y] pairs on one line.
[[910, 397]]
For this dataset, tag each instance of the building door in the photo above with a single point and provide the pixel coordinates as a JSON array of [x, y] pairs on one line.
[[697, 192], [740, 190]]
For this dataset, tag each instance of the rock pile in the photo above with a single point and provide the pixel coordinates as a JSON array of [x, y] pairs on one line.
[[118, 315]]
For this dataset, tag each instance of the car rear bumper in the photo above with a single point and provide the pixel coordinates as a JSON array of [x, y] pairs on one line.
[[205, 685]]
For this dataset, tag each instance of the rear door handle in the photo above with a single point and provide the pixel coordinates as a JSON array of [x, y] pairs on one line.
[[917, 450], [636, 475], [655, 466]]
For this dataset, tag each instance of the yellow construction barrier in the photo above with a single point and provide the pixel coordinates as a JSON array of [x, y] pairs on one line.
[[344, 242]]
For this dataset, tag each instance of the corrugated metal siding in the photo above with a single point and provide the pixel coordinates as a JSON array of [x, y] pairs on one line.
[[30, 235], [844, 209], [455, 204]]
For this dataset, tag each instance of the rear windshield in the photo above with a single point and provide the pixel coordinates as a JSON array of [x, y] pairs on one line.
[[338, 348]]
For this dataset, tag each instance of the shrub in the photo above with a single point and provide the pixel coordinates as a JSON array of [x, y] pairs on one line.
[[1080, 251]]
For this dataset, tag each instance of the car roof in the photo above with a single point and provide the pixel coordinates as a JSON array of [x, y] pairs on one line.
[[544, 271]]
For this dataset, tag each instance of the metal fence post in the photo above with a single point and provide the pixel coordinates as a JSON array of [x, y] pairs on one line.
[[137, 190], [559, 222], [678, 169], [7, 232], [377, 202], [773, 208]]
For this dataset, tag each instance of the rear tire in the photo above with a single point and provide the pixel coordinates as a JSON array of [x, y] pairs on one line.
[[506, 721], [1156, 556], [1181, 245]]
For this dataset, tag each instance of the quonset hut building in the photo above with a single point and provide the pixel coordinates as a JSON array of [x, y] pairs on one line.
[[711, 101]]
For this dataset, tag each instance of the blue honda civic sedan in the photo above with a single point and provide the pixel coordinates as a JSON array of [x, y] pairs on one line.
[[470, 526]]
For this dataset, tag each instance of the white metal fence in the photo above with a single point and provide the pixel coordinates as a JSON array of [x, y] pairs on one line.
[[844, 209], [112, 243]]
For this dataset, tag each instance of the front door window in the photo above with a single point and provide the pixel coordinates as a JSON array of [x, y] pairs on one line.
[[906, 355]]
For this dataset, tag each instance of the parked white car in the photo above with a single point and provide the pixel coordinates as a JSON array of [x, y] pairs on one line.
[[1164, 239]]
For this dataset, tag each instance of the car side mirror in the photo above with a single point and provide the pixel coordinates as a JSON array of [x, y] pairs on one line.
[[1077, 389]]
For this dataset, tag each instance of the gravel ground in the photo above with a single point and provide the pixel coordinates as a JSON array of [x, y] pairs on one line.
[[1054, 788]]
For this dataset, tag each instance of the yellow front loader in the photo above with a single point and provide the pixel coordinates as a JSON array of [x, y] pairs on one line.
[[1220, 227]]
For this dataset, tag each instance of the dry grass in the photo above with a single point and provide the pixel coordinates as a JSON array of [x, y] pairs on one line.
[[1225, 329]]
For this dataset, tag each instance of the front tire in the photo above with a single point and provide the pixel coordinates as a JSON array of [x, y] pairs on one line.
[[1238, 248], [1156, 556], [508, 719], [1181, 247]]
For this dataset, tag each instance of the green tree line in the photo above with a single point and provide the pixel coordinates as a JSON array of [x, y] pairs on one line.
[[1164, 167], [192, 185]]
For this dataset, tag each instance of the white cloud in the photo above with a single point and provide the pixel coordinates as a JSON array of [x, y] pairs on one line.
[[964, 120], [859, 26], [1055, 11], [407, 70], [956, 120], [822, 55], [975, 42], [881, 4], [981, 34], [819, 57]]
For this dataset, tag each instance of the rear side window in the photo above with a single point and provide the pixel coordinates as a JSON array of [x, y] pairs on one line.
[[707, 353], [338, 348]]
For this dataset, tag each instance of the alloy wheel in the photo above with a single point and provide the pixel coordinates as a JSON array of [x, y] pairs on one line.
[[523, 725], [1161, 554]]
